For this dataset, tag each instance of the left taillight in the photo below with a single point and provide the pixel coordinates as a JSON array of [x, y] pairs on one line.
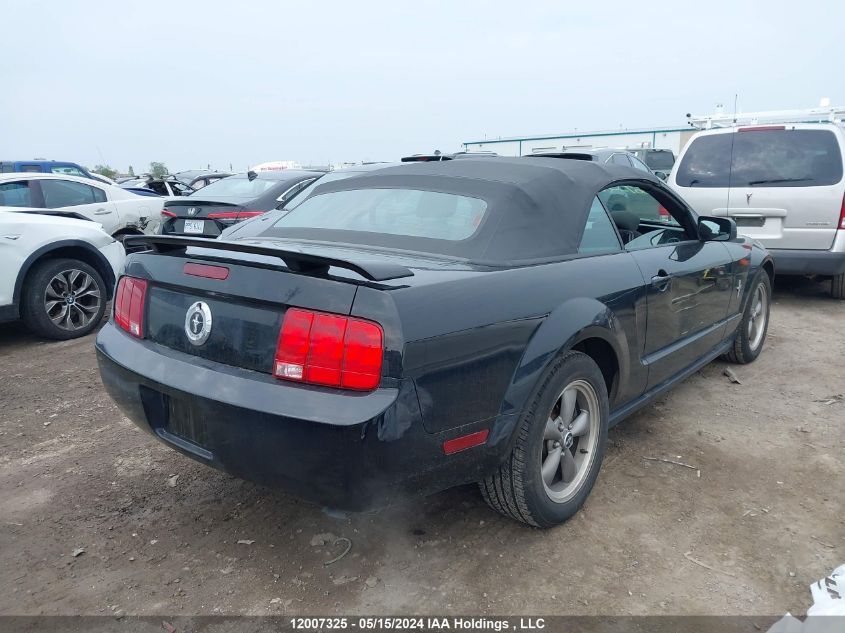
[[329, 349], [129, 300]]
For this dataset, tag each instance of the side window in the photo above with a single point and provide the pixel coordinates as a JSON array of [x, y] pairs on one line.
[[293, 191], [68, 170], [644, 222], [638, 164], [15, 194], [99, 194], [66, 193], [599, 235], [620, 159], [31, 169]]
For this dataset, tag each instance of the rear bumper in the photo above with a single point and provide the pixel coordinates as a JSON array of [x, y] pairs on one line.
[[802, 262], [348, 451]]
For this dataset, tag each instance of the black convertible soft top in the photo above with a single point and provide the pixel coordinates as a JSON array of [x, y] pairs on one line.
[[536, 207]]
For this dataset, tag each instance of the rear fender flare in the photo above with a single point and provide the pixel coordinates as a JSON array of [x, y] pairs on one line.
[[572, 322]]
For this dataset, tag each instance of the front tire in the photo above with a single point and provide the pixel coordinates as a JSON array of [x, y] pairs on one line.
[[63, 299], [751, 333], [559, 447]]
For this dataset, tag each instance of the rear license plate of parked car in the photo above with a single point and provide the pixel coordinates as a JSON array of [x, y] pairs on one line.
[[194, 226]]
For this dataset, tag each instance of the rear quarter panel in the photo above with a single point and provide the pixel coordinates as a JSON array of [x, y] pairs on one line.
[[477, 346]]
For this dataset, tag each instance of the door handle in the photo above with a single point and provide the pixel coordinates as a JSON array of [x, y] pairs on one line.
[[102, 212], [661, 280]]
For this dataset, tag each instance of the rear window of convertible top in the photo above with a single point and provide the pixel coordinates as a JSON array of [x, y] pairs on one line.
[[401, 212]]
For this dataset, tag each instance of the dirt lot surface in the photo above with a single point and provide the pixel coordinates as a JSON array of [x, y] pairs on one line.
[[163, 534]]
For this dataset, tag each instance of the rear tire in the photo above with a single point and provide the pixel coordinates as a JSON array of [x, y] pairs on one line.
[[837, 286], [63, 299], [539, 484], [751, 333]]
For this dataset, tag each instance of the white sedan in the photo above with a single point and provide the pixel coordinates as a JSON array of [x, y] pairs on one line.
[[56, 273], [120, 212]]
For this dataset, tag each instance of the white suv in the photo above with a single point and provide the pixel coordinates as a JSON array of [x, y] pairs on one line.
[[57, 272], [782, 184]]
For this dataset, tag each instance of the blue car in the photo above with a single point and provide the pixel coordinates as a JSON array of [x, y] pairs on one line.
[[44, 167]]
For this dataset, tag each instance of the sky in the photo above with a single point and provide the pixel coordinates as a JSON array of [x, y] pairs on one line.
[[193, 84]]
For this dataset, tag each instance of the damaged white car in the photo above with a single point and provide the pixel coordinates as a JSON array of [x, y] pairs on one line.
[[120, 212]]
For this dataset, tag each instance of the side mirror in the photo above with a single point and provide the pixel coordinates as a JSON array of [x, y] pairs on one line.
[[712, 229], [662, 175]]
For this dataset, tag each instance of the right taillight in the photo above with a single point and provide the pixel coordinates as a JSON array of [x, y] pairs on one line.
[[129, 299], [842, 215], [329, 349]]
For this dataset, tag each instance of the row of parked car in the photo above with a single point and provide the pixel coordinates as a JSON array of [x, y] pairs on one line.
[[782, 185]]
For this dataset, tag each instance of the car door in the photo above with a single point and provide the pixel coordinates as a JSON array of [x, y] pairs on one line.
[[690, 281], [87, 200]]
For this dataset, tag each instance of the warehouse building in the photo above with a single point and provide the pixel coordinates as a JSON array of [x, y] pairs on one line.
[[672, 138]]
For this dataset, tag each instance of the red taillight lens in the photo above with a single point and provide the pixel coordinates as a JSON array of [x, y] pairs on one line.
[[328, 349], [663, 213], [129, 305], [206, 270], [842, 215], [168, 214], [362, 357]]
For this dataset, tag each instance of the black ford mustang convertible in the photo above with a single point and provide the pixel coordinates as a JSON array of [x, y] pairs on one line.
[[427, 325]]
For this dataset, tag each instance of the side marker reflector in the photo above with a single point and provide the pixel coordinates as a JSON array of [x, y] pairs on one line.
[[465, 441]]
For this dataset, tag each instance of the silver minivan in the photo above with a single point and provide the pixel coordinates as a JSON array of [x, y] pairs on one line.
[[782, 184]]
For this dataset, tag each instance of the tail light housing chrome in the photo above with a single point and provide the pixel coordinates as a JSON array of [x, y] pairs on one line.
[[129, 301], [328, 349]]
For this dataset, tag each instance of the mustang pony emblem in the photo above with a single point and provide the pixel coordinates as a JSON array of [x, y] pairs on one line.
[[198, 323]]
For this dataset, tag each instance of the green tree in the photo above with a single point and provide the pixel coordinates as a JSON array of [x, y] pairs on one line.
[[131, 171], [105, 170], [157, 170]]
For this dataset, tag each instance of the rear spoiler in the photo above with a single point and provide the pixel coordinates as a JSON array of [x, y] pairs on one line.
[[296, 261]]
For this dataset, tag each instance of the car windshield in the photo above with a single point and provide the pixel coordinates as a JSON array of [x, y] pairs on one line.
[[238, 187], [405, 212], [659, 161], [762, 158]]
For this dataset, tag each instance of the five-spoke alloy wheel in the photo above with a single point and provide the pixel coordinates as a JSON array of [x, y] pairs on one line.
[[751, 332], [559, 446]]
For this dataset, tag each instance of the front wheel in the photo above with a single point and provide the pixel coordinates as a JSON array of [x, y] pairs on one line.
[[751, 333], [63, 299], [559, 447]]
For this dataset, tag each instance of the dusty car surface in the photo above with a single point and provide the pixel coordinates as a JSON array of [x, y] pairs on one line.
[[419, 327]]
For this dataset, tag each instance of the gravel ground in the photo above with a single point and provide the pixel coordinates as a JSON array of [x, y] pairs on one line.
[[98, 518]]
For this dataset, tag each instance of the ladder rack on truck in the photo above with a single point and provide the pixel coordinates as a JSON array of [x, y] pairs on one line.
[[811, 115]]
